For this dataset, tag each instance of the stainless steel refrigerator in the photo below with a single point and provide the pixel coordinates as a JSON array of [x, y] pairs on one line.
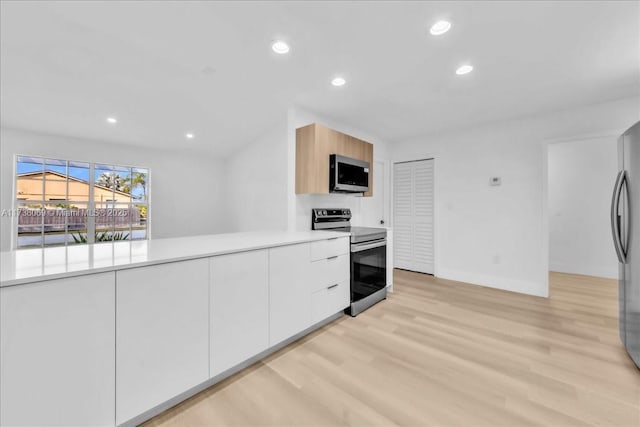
[[625, 224]]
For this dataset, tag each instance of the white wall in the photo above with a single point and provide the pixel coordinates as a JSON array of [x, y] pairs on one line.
[[182, 184], [581, 178], [498, 236], [257, 182]]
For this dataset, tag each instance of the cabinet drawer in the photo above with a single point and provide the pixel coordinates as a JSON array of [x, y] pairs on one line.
[[328, 248], [329, 300], [329, 271]]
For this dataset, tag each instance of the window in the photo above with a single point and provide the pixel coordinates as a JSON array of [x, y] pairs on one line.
[[62, 202]]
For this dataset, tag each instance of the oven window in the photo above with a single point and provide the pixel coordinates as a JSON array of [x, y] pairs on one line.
[[352, 175], [368, 272]]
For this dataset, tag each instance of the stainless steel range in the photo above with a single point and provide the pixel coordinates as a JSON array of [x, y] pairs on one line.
[[368, 257]]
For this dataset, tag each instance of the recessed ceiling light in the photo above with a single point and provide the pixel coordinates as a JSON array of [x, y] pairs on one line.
[[280, 47], [112, 120], [440, 28], [338, 81], [189, 135], [464, 69]]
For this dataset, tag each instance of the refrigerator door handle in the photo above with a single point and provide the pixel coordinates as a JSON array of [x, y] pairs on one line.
[[624, 232], [615, 217]]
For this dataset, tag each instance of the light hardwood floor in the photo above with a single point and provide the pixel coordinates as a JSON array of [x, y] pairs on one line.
[[442, 353]]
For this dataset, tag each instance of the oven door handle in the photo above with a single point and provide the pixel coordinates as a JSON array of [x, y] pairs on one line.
[[359, 247]]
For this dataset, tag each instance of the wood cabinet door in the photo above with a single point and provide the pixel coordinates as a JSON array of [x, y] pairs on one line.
[[239, 308], [57, 363], [314, 144], [162, 334]]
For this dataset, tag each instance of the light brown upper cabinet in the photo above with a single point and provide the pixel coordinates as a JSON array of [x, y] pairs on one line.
[[314, 144]]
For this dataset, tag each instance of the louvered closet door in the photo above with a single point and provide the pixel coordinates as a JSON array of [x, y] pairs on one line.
[[413, 215], [402, 215]]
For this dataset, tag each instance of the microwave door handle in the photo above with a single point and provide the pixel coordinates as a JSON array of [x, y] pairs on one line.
[[615, 217]]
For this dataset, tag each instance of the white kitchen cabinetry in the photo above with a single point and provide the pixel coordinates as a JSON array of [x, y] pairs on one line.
[[323, 249], [329, 278], [289, 291], [105, 348], [329, 300], [57, 347], [329, 271], [239, 301], [162, 334]]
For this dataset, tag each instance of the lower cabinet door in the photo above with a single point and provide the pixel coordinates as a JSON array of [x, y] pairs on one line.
[[329, 301], [57, 358], [239, 308], [289, 291], [162, 334]]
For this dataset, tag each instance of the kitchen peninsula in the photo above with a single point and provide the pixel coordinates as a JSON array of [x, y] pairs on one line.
[[89, 332]]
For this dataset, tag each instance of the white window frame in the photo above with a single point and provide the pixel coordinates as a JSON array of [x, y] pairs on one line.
[[91, 219]]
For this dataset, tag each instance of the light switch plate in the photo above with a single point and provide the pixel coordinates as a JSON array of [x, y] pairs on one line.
[[495, 181]]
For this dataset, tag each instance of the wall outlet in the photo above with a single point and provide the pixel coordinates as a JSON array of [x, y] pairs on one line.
[[495, 181]]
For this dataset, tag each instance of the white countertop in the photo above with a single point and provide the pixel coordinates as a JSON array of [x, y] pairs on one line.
[[34, 265]]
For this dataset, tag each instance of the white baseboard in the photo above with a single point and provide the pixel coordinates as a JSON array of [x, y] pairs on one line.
[[597, 270], [537, 289]]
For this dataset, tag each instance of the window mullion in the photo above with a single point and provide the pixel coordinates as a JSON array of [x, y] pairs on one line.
[[67, 208], [44, 205], [131, 205], [91, 219]]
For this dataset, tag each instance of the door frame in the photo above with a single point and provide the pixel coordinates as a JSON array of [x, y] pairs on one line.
[[386, 184], [546, 231], [436, 233]]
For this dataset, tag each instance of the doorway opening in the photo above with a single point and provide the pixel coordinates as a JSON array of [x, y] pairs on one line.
[[581, 177]]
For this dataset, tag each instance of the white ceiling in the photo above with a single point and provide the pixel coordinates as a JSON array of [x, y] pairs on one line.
[[66, 66]]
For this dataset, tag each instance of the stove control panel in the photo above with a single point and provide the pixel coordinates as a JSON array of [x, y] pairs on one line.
[[329, 218], [331, 213]]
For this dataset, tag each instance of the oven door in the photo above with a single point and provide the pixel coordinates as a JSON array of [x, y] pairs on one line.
[[368, 268]]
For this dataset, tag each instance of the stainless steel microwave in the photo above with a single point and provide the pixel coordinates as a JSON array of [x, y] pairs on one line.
[[347, 175]]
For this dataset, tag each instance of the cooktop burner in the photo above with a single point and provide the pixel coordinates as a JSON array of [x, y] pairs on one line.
[[362, 234], [340, 220]]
